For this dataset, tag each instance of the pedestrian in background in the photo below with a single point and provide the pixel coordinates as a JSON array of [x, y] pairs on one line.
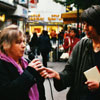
[[27, 37], [61, 37], [44, 46], [27, 49], [85, 55], [53, 36], [71, 40], [34, 44], [17, 77]]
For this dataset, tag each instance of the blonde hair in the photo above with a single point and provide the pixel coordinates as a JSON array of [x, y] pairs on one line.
[[8, 35]]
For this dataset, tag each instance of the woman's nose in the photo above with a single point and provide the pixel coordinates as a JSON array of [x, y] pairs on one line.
[[23, 44]]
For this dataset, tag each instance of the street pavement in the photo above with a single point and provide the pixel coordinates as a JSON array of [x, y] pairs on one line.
[[57, 66]]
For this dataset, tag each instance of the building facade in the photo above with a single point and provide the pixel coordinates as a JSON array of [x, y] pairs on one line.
[[46, 15], [13, 12]]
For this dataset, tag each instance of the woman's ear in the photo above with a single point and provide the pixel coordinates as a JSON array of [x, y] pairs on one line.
[[6, 46]]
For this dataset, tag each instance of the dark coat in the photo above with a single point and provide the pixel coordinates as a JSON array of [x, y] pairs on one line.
[[12, 85], [34, 42], [44, 43], [81, 59]]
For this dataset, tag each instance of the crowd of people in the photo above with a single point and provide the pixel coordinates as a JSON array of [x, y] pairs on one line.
[[22, 78], [46, 42]]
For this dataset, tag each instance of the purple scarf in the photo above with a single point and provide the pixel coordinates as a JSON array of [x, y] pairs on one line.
[[33, 93]]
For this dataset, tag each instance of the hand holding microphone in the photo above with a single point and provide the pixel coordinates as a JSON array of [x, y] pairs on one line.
[[43, 71], [34, 66], [35, 63]]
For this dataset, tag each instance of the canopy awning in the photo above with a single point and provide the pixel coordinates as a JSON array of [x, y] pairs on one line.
[[70, 17]]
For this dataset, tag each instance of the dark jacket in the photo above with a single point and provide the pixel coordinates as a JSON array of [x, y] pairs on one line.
[[12, 85], [34, 41], [44, 43], [81, 59]]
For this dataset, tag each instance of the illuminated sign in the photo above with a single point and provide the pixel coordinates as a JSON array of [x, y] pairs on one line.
[[35, 17], [2, 18], [54, 17]]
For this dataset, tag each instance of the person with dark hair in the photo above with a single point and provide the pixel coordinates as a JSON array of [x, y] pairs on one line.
[[44, 46], [53, 36], [27, 37], [71, 40], [61, 37], [85, 55], [34, 45]]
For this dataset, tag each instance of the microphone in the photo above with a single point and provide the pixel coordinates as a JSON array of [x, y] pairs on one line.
[[31, 56]]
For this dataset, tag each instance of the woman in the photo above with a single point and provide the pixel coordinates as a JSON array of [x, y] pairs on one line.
[[17, 77], [85, 55]]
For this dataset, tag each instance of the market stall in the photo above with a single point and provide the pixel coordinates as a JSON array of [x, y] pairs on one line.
[[70, 17]]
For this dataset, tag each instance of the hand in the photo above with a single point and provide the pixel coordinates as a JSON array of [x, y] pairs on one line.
[[92, 85], [35, 63], [48, 73]]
